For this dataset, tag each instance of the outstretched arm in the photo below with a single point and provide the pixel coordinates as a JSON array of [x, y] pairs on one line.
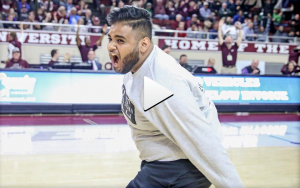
[[78, 41], [253, 5], [104, 30], [220, 36], [240, 37]]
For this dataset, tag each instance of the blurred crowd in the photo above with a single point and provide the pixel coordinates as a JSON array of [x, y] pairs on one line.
[[227, 21], [258, 18]]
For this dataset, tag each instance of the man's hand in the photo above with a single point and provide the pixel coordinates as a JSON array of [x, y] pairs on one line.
[[221, 23], [255, 71], [104, 29]]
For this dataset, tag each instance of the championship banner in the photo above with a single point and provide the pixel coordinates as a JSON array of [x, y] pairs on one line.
[[48, 38], [210, 45]]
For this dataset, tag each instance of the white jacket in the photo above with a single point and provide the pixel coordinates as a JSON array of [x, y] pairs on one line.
[[185, 126]]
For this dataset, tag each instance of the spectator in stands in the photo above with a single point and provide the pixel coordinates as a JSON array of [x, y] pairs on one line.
[[239, 17], [268, 6], [215, 6], [183, 63], [290, 68], [206, 13], [261, 33], [181, 28], [48, 19], [23, 13], [13, 42], [84, 49], [40, 15], [291, 36], [159, 11], [16, 62], [170, 10], [69, 6], [296, 24], [246, 7], [31, 18], [12, 12], [87, 18], [65, 28], [229, 29], [193, 9], [211, 63], [92, 60], [60, 15], [214, 30], [183, 9], [280, 33], [63, 3], [83, 28], [10, 18], [194, 28], [229, 51], [252, 69], [248, 30], [149, 8], [194, 20], [96, 22], [73, 18], [166, 48], [277, 17], [175, 25], [231, 6], [54, 57], [22, 4], [224, 11], [5, 6], [82, 8], [294, 55]]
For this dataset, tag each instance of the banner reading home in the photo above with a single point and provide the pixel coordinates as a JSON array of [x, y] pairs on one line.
[[212, 45], [48, 38]]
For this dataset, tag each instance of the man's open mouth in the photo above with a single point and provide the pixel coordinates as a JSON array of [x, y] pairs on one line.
[[115, 60]]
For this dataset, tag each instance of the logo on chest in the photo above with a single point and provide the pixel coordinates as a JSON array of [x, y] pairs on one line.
[[127, 106]]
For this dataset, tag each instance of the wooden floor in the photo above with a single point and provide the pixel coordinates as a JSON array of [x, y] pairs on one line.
[[261, 167]]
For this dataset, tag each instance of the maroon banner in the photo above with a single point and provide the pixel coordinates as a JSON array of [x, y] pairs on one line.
[[47, 38], [205, 45]]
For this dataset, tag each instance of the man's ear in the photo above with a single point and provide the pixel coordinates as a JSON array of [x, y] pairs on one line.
[[144, 44]]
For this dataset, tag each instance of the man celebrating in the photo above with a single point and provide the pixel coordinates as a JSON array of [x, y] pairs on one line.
[[84, 49], [229, 51], [179, 139]]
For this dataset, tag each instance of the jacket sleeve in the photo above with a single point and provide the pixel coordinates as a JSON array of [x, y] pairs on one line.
[[183, 121]]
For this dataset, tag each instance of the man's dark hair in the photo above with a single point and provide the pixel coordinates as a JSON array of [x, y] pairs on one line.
[[183, 55], [53, 52], [137, 18], [165, 47], [13, 35]]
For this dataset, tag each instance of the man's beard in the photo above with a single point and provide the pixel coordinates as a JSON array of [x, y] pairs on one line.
[[130, 60]]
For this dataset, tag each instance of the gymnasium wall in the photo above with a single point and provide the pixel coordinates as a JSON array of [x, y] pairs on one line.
[[31, 51]]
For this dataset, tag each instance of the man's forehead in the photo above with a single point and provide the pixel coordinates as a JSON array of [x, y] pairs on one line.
[[120, 29]]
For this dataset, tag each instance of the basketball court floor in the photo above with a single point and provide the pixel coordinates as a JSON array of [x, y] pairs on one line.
[[62, 151]]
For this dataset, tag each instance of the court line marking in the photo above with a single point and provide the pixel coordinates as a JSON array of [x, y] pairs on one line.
[[272, 136], [90, 122]]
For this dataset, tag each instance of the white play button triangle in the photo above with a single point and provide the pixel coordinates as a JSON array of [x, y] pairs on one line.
[[154, 94]]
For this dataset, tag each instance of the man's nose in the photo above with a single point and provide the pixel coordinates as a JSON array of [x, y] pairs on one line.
[[111, 46]]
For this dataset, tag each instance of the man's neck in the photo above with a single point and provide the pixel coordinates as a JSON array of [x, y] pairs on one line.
[[137, 66], [54, 59]]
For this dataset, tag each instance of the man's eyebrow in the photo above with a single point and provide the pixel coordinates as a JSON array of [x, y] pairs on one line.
[[120, 36]]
